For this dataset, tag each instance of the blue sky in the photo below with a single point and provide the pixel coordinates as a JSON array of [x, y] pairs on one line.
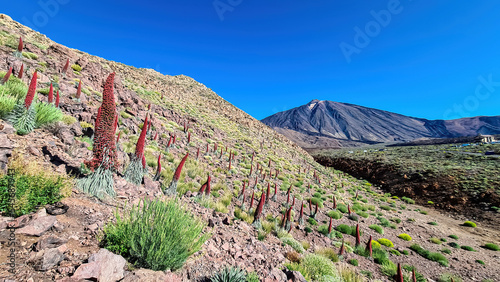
[[430, 59]]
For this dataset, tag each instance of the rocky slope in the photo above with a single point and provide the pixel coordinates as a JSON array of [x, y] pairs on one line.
[[327, 124], [62, 242]]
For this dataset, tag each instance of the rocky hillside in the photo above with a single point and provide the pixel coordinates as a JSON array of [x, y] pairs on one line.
[[327, 124], [56, 232]]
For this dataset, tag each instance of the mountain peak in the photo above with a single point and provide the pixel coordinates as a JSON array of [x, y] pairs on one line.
[[339, 124]]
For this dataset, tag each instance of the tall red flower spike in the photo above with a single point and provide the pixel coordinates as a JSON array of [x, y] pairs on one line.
[[413, 275], [209, 188], [189, 137], [104, 149], [198, 153], [79, 90], [330, 226], [342, 249], [143, 161], [139, 147], [268, 192], [399, 275], [310, 206], [31, 91], [51, 93], [369, 246], [118, 138], [7, 76], [358, 238], [57, 99], [21, 71], [178, 171], [251, 168], [156, 136], [169, 142], [242, 191], [21, 45], [258, 211], [158, 169], [65, 68], [202, 189], [349, 209]]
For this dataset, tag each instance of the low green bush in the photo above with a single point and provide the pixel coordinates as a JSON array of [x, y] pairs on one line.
[[470, 224], [405, 237], [453, 237], [156, 235], [377, 228], [491, 246], [385, 242], [468, 248], [437, 257], [335, 214], [354, 262]]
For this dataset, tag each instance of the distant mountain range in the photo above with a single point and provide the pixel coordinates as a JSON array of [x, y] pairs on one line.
[[327, 124]]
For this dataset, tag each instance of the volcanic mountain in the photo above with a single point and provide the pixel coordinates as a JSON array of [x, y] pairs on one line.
[[327, 124]]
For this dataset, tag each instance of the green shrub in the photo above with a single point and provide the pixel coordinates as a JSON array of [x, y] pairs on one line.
[[449, 277], [404, 236], [68, 120], [432, 223], [468, 248], [312, 221], [446, 251], [343, 228], [377, 228], [470, 224], [385, 207], [335, 214], [437, 257], [297, 246], [480, 261], [395, 252], [435, 240], [229, 274], [30, 55], [491, 246], [454, 245], [407, 200], [318, 266], [76, 67], [453, 237], [156, 235], [379, 255], [342, 208], [354, 262], [34, 186], [328, 253], [405, 252], [385, 242], [252, 277]]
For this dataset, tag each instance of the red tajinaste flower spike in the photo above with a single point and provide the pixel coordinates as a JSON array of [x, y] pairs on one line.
[[243, 202], [149, 107], [342, 249], [169, 141], [293, 202], [79, 90], [143, 161], [275, 189], [221, 152], [21, 45], [399, 275], [104, 149], [139, 147], [189, 137], [349, 209], [215, 147], [207, 149], [316, 209], [330, 226], [202, 189], [198, 153], [156, 136], [413, 275], [287, 198], [255, 185], [57, 99], [251, 200], [258, 210], [283, 220], [65, 68], [178, 171], [21, 71], [118, 138], [253, 155], [269, 165], [356, 195], [209, 188], [310, 206], [358, 237], [159, 163], [229, 164], [7, 76], [369, 246], [31, 91], [173, 140], [51, 93], [251, 168], [242, 190]]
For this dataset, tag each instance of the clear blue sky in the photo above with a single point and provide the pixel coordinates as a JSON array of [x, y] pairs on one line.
[[269, 56]]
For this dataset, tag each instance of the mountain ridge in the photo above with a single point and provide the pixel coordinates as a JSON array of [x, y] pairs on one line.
[[322, 124]]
